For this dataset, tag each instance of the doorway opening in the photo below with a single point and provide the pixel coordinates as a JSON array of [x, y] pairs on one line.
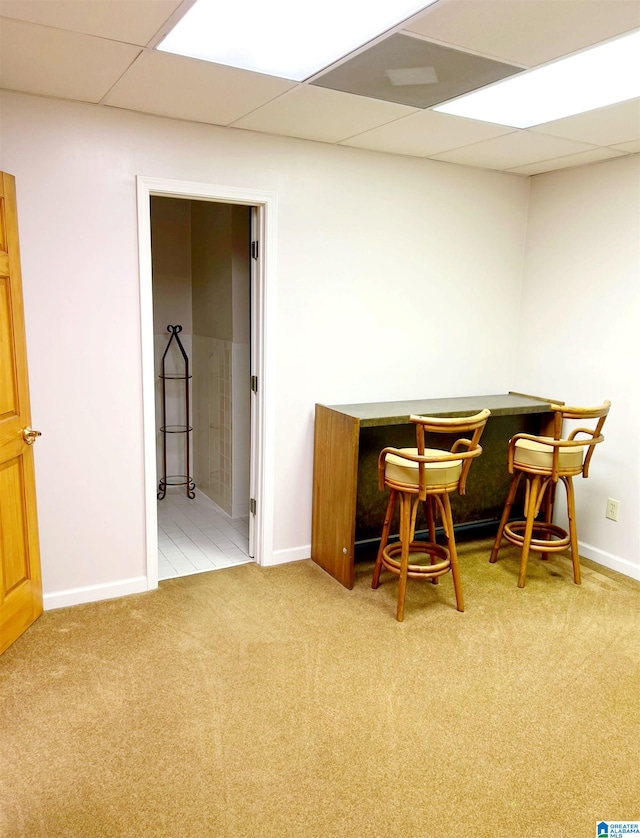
[[229, 404], [201, 277]]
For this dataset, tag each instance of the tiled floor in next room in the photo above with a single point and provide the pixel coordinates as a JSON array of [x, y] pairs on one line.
[[195, 536]]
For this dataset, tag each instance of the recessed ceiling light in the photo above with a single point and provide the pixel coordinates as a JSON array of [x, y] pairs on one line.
[[594, 78], [284, 38]]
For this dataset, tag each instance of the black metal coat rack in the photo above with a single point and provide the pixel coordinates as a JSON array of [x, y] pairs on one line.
[[184, 430]]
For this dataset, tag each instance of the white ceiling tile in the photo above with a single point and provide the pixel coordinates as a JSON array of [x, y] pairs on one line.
[[184, 88], [568, 162], [605, 126], [133, 21], [512, 150], [89, 50], [51, 62], [316, 113], [630, 148], [526, 32], [425, 133]]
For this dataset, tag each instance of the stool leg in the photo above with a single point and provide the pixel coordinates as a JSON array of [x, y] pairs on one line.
[[548, 504], [414, 515], [573, 532], [405, 540], [453, 554], [533, 485], [388, 518], [430, 514], [513, 487]]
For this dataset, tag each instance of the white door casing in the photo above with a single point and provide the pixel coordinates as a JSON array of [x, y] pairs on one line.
[[262, 464]]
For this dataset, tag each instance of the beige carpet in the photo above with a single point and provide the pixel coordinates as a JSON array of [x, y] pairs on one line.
[[267, 703]]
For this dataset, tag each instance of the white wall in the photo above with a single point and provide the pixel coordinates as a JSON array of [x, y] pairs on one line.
[[578, 332], [396, 278]]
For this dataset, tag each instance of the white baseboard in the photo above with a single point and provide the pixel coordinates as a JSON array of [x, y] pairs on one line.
[[293, 554], [296, 554], [112, 590], [609, 560], [95, 593]]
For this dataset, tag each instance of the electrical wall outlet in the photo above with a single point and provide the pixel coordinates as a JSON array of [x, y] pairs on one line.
[[613, 509]]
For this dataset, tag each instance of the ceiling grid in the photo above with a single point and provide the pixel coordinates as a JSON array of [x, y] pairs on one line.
[[379, 98]]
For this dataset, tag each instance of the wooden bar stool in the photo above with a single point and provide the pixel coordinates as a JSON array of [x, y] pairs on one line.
[[427, 475], [544, 462]]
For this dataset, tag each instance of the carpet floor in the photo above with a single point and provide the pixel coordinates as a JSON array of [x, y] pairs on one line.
[[273, 703]]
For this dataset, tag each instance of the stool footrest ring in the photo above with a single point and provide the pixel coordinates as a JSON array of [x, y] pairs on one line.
[[546, 538], [439, 556]]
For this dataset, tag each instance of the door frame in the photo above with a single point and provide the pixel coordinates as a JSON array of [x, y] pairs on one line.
[[262, 468]]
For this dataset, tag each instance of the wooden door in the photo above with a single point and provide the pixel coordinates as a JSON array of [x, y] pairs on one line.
[[20, 585]]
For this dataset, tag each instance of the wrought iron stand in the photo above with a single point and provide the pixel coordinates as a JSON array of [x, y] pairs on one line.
[[185, 430]]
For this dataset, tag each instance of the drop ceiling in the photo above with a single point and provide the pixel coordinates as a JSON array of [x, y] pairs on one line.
[[378, 98]]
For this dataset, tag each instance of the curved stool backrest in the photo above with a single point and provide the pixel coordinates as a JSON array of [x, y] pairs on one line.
[[427, 475], [563, 413], [544, 461], [459, 424]]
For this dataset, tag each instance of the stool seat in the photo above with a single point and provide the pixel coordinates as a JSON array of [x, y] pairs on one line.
[[538, 453], [543, 462], [400, 470], [428, 476]]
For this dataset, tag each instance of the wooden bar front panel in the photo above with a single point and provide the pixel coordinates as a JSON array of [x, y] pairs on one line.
[[335, 476]]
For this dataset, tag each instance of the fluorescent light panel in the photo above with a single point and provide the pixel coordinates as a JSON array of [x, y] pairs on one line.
[[285, 38], [597, 77]]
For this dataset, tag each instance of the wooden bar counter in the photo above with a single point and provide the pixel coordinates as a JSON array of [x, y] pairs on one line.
[[347, 506]]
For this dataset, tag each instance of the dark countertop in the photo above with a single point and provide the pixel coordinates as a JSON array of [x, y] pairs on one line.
[[397, 413]]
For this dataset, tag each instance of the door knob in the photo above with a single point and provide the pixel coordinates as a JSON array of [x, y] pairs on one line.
[[29, 435]]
